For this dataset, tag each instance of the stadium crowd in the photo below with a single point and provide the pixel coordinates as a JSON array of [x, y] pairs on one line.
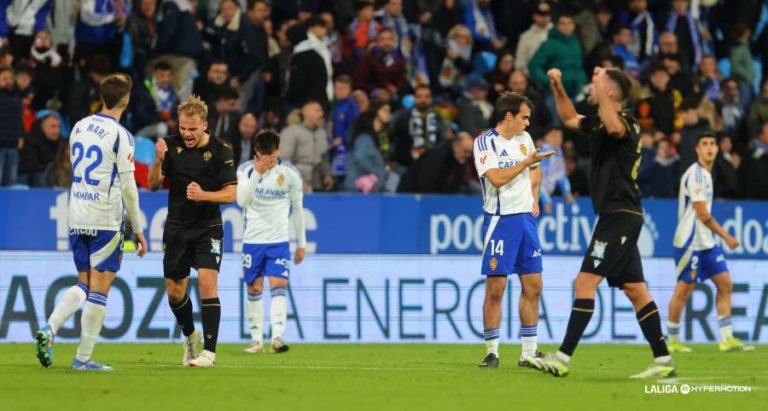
[[386, 96]]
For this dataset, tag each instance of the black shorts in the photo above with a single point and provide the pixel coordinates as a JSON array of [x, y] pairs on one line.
[[191, 247], [613, 251]]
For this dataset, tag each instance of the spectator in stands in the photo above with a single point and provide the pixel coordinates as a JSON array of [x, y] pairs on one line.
[[391, 16], [366, 167], [224, 119], [161, 90], [416, 130], [561, 50], [311, 70], [40, 147], [540, 116], [532, 38], [758, 113], [142, 28], [657, 107], [668, 50], [96, 31], [382, 67], [497, 78], [479, 18], [364, 29], [647, 148], [622, 41], [457, 62], [709, 77], [474, 108], [20, 20], [226, 36], [643, 29], [554, 178], [50, 71], [731, 109], [179, 22], [440, 170], [725, 173], [754, 168], [254, 71], [687, 29], [693, 127], [742, 62], [345, 110], [84, 97], [10, 129], [247, 128], [576, 176], [144, 119], [59, 172], [305, 145], [215, 81], [6, 57], [660, 179]]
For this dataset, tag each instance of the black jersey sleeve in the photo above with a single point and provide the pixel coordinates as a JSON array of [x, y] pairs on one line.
[[227, 170], [586, 124]]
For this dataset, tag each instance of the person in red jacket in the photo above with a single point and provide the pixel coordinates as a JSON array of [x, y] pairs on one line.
[[382, 68]]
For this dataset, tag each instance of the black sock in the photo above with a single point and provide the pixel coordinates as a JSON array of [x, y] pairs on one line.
[[183, 313], [650, 323], [211, 318], [581, 313]]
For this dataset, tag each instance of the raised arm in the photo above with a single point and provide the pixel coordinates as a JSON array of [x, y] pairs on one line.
[[565, 109], [608, 108], [156, 173]]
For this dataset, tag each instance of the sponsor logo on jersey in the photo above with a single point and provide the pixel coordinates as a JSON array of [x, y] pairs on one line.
[[207, 155], [494, 263], [524, 149]]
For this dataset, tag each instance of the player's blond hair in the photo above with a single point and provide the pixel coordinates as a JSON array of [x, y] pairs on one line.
[[194, 106]]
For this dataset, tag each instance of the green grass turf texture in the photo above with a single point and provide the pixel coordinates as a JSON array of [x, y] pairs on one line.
[[371, 377]]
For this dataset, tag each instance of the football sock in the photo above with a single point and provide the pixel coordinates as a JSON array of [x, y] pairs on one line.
[[492, 341], [70, 302], [673, 330], [211, 314], [650, 323], [528, 335], [91, 321], [278, 311], [726, 328], [183, 313], [581, 313], [256, 317]]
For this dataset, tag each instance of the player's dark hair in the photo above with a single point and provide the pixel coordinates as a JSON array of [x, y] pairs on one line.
[[252, 3], [689, 103], [706, 134], [343, 79], [361, 4], [510, 102], [114, 88], [101, 64], [622, 80], [266, 142], [314, 21]]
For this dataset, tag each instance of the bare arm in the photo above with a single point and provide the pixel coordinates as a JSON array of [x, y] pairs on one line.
[[156, 173], [226, 195], [706, 217], [499, 177], [535, 188], [607, 108], [565, 109]]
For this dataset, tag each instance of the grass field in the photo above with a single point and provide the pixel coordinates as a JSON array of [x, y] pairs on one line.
[[366, 377]]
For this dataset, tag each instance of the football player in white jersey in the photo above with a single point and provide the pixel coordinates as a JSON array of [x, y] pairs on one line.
[[102, 187], [697, 256], [507, 163], [269, 190]]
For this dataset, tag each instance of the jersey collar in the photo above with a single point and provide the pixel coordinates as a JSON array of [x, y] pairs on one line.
[[106, 116]]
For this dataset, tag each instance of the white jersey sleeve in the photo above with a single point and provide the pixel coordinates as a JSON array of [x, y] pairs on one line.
[[695, 187], [485, 156], [296, 195], [125, 151]]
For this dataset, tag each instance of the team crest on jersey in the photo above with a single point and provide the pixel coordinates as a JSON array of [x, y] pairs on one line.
[[598, 250], [215, 246], [483, 159], [524, 149], [693, 274], [494, 263], [281, 180], [178, 150], [207, 155], [130, 157]]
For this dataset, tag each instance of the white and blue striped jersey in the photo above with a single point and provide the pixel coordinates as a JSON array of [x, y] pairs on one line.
[[100, 149], [691, 233], [495, 151], [267, 201]]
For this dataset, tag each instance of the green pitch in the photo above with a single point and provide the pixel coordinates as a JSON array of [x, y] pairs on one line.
[[395, 377]]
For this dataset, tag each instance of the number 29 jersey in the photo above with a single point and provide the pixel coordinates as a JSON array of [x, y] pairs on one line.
[[100, 149]]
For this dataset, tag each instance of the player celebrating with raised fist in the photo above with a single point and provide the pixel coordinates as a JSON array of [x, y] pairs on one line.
[[508, 165], [697, 256], [612, 253], [269, 190], [201, 170]]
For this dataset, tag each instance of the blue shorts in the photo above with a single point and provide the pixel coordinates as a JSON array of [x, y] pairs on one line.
[[266, 260], [99, 249], [699, 265], [511, 245]]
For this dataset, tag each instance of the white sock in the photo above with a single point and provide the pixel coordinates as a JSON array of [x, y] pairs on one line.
[[91, 321], [663, 359], [528, 333], [726, 328], [69, 303], [563, 356], [256, 317], [492, 347], [278, 311], [673, 331]]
